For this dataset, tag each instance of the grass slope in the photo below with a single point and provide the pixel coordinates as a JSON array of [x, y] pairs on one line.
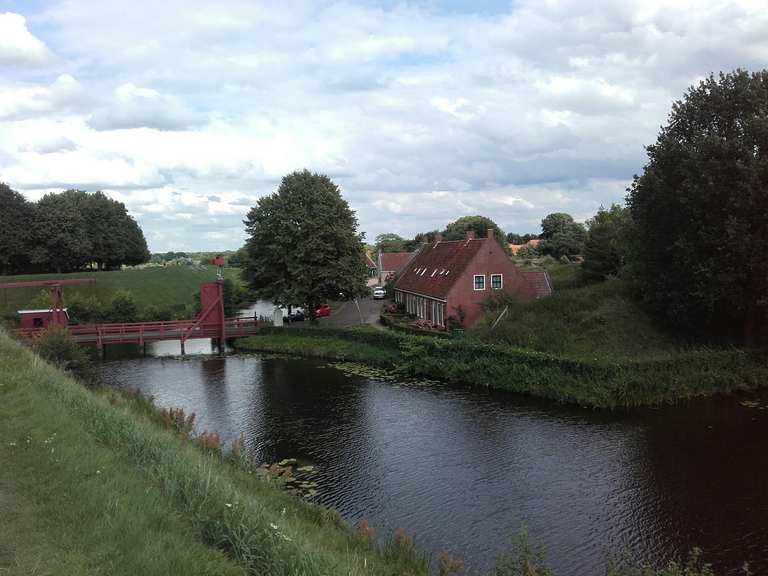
[[594, 321], [168, 287], [90, 486]]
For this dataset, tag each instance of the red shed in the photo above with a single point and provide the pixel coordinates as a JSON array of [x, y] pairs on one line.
[[454, 278], [39, 319]]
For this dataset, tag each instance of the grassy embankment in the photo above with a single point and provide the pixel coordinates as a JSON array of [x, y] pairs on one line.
[[89, 484], [171, 287], [589, 345]]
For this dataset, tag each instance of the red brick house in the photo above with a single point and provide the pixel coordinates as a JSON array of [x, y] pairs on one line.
[[454, 278]]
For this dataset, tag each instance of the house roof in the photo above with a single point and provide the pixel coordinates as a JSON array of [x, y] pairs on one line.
[[539, 282], [393, 261], [369, 261], [40, 311], [436, 267], [515, 248]]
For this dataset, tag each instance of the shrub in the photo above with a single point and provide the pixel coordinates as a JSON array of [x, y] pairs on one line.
[[123, 308], [57, 347], [86, 310]]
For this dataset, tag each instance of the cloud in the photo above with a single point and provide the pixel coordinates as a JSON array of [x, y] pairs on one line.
[[64, 96], [18, 47], [421, 115], [134, 107]]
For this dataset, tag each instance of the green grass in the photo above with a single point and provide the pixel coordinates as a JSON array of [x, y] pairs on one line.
[[89, 484], [594, 381], [171, 286], [598, 321]]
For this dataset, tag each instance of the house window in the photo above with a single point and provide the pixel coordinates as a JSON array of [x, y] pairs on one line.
[[479, 282], [496, 282]]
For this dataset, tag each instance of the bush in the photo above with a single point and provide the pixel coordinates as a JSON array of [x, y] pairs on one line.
[[86, 310], [123, 308], [57, 347]]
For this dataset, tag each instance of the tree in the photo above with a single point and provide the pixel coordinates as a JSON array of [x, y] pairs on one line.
[[479, 225], [557, 222], [285, 269], [60, 234], [605, 249], [699, 209], [561, 235], [390, 243], [16, 215]]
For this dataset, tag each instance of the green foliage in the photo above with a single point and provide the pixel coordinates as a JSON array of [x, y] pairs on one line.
[[595, 381], [528, 251], [238, 259], [479, 225], [303, 248], [561, 236], [66, 232], [693, 566], [122, 308], [16, 215], [605, 250], [390, 243], [514, 238], [57, 347], [699, 210], [86, 310], [525, 560], [42, 301]]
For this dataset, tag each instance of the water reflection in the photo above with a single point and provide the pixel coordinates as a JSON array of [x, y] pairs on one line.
[[462, 470]]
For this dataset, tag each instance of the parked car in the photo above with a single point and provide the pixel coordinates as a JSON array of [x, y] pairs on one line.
[[297, 316], [323, 310], [379, 293]]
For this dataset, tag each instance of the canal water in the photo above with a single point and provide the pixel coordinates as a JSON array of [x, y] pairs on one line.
[[462, 470]]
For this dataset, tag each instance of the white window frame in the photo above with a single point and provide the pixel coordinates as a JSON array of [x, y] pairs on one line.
[[501, 281], [474, 282]]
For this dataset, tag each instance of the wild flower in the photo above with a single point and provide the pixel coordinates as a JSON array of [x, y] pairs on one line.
[[365, 530], [448, 565]]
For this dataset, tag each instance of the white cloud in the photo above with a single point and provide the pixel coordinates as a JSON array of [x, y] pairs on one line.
[[421, 116], [135, 107], [18, 47]]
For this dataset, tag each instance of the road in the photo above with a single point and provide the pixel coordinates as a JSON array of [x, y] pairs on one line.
[[346, 313]]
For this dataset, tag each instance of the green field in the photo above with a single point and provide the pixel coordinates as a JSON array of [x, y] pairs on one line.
[[171, 286]]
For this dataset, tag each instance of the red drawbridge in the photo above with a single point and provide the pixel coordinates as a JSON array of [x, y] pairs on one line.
[[210, 323]]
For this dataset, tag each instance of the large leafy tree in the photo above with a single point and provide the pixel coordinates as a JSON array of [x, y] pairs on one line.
[[61, 234], [605, 249], [16, 215], [699, 208], [390, 243], [479, 225], [561, 235], [282, 266]]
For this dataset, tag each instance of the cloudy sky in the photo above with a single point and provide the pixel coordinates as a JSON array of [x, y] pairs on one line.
[[422, 112]]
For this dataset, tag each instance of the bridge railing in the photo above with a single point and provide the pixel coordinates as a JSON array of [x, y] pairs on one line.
[[161, 330]]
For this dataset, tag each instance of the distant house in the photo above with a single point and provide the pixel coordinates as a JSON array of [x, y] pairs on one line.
[[370, 265], [453, 279], [390, 263], [515, 248]]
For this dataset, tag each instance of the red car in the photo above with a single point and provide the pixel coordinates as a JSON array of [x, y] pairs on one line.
[[323, 310]]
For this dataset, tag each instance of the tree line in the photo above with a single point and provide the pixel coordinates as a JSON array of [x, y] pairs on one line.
[[67, 232]]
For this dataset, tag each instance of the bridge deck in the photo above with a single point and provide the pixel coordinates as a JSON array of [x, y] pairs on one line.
[[141, 332]]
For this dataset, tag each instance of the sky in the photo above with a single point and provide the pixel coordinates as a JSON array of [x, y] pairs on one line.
[[422, 112]]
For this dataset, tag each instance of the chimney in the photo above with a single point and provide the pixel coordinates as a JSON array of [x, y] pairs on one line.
[[490, 233], [470, 234]]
